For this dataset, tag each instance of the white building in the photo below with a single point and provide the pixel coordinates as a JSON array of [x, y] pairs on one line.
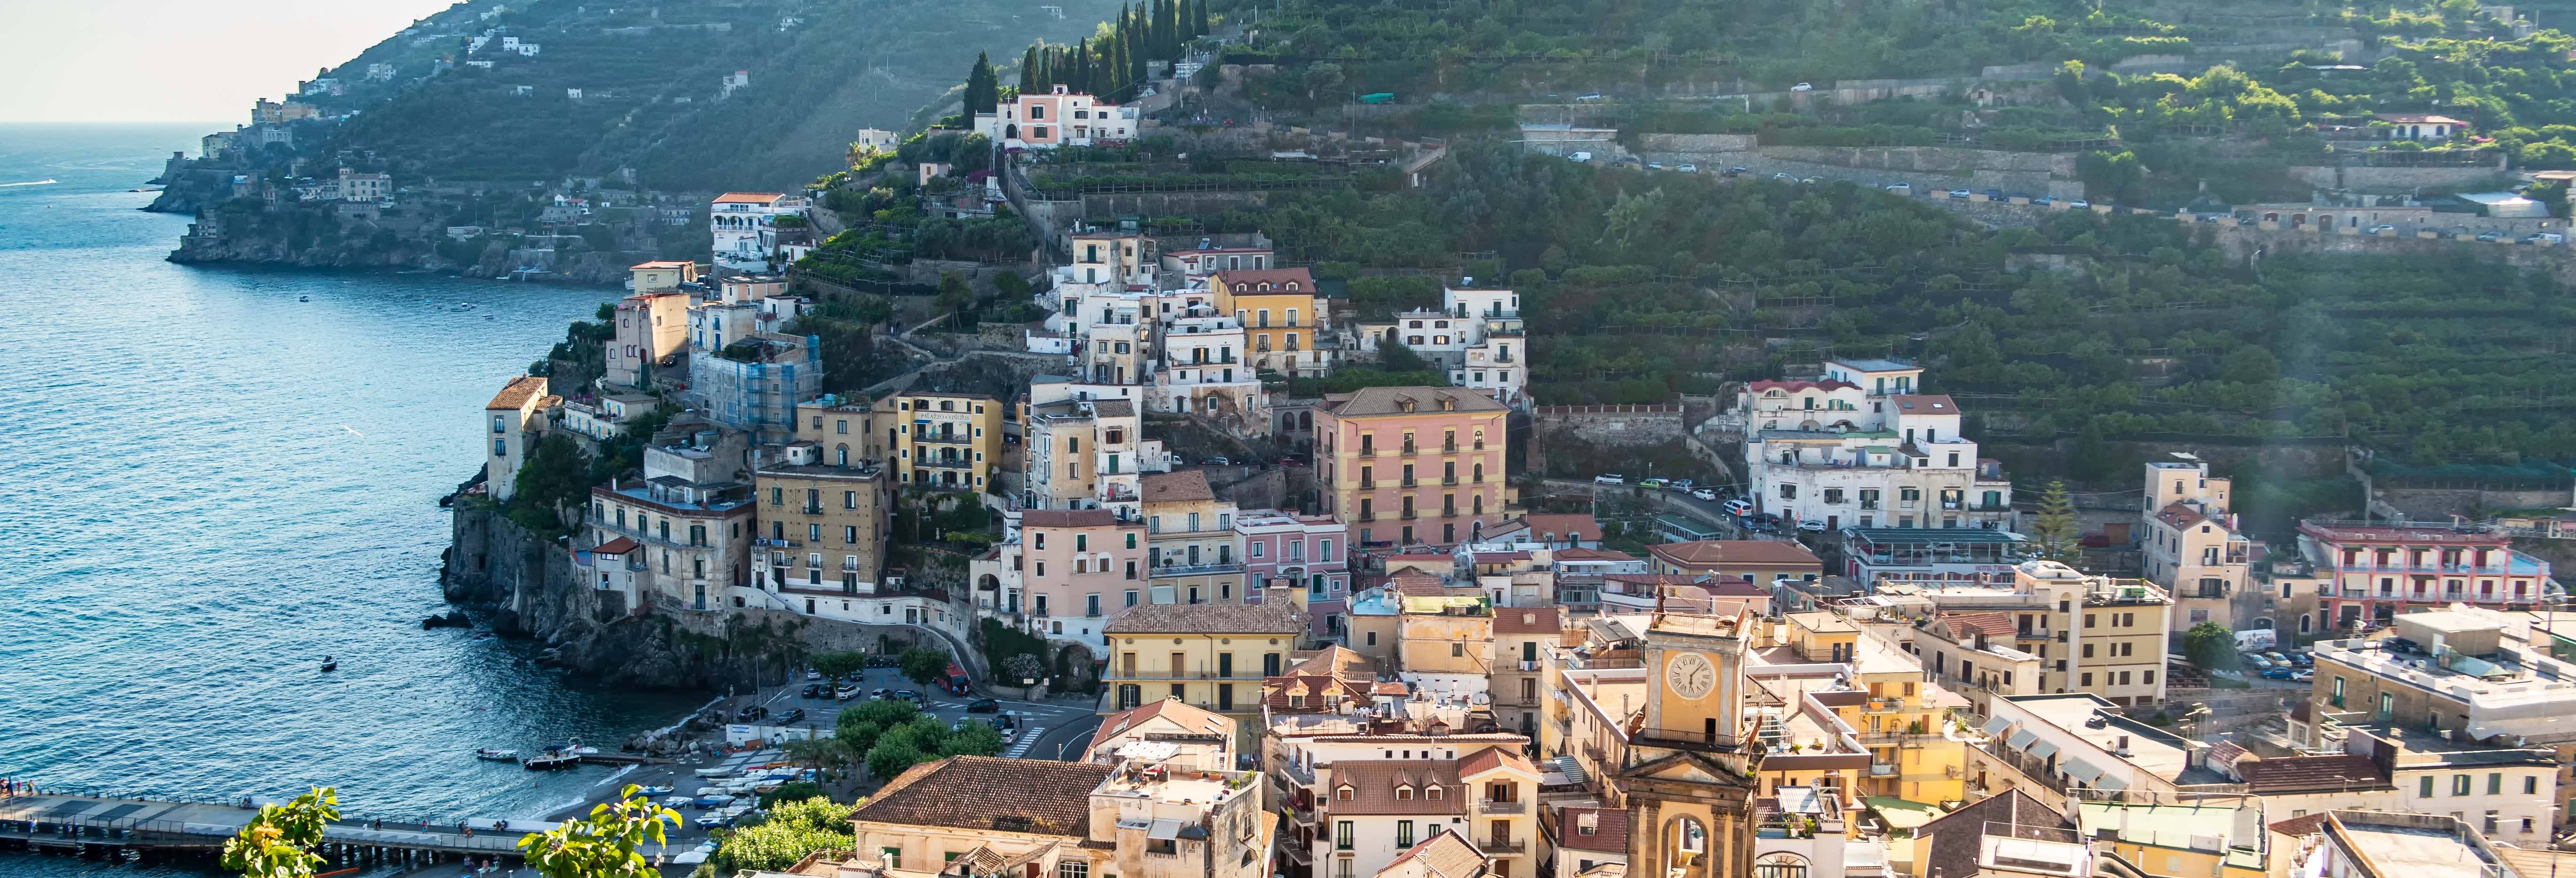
[[745, 228], [1059, 117], [517, 418], [2191, 544], [1202, 370], [1476, 336], [1860, 448], [354, 186], [606, 417]]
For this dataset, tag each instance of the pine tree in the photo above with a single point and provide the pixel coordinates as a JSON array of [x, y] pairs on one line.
[[2053, 535]]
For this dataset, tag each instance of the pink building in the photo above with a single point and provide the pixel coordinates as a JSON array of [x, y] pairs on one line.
[[1284, 551], [1059, 117], [1081, 566], [1409, 466], [2371, 572]]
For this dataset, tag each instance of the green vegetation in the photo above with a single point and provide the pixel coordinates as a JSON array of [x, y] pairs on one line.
[[603, 844], [2210, 645], [2053, 535], [278, 842], [1112, 62], [895, 735], [922, 665], [791, 829]]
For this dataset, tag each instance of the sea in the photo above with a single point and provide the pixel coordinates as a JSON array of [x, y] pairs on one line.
[[215, 476]]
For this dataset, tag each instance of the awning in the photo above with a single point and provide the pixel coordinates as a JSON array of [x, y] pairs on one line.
[[2109, 783], [2080, 771], [1165, 830], [1997, 725], [2021, 740], [2042, 750]]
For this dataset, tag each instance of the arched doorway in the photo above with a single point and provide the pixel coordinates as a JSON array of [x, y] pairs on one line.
[[1687, 841]]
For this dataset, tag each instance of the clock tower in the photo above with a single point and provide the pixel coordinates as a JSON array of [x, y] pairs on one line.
[[1695, 687]]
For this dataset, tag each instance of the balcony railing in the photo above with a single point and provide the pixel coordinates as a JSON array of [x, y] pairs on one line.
[[1494, 806], [1502, 845], [1882, 769], [1197, 569], [1301, 774], [811, 509]]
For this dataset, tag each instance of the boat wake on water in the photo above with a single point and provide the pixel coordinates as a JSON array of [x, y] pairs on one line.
[[48, 181]]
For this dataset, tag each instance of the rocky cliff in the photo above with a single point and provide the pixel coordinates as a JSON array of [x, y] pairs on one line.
[[531, 585]]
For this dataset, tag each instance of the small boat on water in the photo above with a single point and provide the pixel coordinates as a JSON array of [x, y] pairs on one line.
[[493, 755], [559, 756], [304, 298], [655, 791], [330, 664]]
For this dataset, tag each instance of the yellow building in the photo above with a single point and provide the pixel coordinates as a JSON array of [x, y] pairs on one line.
[[1214, 656], [951, 441], [1902, 720], [822, 533], [1280, 315], [2215, 838], [843, 430], [1444, 644]]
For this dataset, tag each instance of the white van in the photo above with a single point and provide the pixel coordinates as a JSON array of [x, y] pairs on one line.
[[1581, 156]]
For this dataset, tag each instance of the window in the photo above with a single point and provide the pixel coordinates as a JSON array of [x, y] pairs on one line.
[[1342, 834], [2424, 787], [1072, 869], [2530, 787], [1403, 830], [1457, 650], [2459, 784], [2495, 783]]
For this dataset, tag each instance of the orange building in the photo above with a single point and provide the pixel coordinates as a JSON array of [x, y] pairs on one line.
[[1412, 465]]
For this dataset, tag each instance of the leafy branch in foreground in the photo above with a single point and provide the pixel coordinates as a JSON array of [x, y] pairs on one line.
[[603, 844], [279, 842]]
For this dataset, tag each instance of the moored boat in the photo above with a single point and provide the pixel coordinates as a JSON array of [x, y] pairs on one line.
[[497, 755]]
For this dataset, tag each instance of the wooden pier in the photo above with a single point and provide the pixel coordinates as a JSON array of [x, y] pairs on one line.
[[122, 829]]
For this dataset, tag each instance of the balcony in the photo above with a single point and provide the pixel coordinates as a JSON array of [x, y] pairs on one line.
[[1197, 569], [1406, 483], [1448, 480], [1882, 769], [1368, 484], [1502, 846], [943, 439], [1303, 775], [811, 509], [1494, 806]]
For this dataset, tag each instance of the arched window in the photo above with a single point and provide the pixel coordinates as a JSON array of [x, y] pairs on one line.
[[1780, 865]]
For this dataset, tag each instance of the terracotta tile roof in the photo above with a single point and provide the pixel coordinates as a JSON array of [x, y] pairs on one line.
[[1334, 660], [1373, 784], [1249, 281], [1709, 553], [1609, 827], [1962, 625], [749, 198], [1381, 401], [2305, 774], [1067, 518], [1113, 408], [1415, 583], [618, 546], [1494, 758], [1191, 720], [663, 263], [1177, 487], [984, 793], [1563, 525], [1529, 620], [1957, 836], [1445, 854], [1310, 690], [1931, 404], [2301, 826], [2179, 516], [1208, 619], [516, 394]]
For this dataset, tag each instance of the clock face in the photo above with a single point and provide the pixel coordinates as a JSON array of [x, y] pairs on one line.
[[1690, 675]]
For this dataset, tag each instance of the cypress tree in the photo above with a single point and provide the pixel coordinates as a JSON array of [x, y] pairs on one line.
[[982, 87], [1136, 67], [1028, 69], [1198, 18], [1081, 79], [1172, 39], [1203, 27]]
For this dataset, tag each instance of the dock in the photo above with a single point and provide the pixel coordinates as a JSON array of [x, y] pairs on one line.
[[124, 829]]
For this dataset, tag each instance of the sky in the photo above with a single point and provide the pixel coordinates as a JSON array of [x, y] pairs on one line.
[[178, 60]]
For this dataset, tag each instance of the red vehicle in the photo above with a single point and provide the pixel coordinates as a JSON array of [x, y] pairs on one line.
[[956, 683]]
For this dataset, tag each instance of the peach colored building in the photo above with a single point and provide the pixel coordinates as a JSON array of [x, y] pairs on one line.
[[1058, 117], [1412, 465], [1082, 566]]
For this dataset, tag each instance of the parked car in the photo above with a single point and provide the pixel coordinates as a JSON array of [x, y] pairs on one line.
[[1994, 195], [2277, 658], [2042, 201], [1782, 177], [907, 695], [813, 675], [1006, 721], [2278, 673], [2255, 662], [880, 692], [1738, 172], [1803, 86], [2491, 236], [1812, 181], [1688, 168], [1739, 506], [1291, 460], [984, 705], [815, 690], [2079, 204], [2545, 238], [1650, 483], [845, 693], [2303, 676], [1654, 166], [1609, 479], [750, 713], [2211, 217], [1704, 494], [1581, 156], [2382, 227], [1813, 525], [1901, 188], [1680, 484], [1216, 461], [1960, 194], [1588, 98], [792, 716]]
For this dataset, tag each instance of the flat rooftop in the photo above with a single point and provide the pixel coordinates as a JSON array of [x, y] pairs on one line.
[[2416, 852]]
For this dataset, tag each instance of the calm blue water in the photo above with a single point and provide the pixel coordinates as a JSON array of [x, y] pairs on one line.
[[210, 485]]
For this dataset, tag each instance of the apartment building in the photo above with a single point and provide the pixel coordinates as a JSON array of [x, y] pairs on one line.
[[2071, 747], [2217, 837], [948, 441], [1080, 567], [753, 384], [2509, 792], [1281, 316], [823, 532], [1490, 321], [1444, 645], [1056, 117], [1204, 370], [1193, 554], [2192, 547], [1285, 552], [606, 417], [1895, 713], [1760, 562], [1086, 453], [1445, 854], [2093, 634], [734, 313], [1973, 651], [692, 516], [660, 276], [1521, 637], [516, 419], [986, 816], [1166, 731], [1196, 263], [1357, 795], [2379, 570], [1412, 465], [843, 431], [1860, 447], [745, 226], [1214, 656], [650, 326]]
